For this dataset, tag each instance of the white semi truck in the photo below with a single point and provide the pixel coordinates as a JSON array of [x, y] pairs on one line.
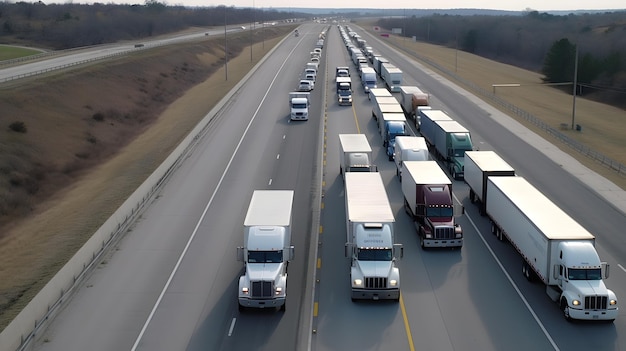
[[555, 248], [267, 250], [355, 154], [299, 105], [370, 241]]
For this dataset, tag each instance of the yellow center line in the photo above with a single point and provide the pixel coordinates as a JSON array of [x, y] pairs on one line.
[[356, 121], [407, 327]]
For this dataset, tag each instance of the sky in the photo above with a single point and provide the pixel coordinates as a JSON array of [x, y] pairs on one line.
[[514, 5], [539, 5]]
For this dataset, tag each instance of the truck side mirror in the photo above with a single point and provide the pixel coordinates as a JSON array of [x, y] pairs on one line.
[[605, 268], [398, 250], [240, 253], [289, 253]]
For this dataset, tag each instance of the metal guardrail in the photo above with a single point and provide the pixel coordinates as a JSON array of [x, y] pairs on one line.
[[579, 147]]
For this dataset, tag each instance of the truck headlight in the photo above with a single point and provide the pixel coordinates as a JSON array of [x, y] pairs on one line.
[[278, 290], [613, 302], [358, 282], [393, 282], [575, 302], [244, 290], [459, 236], [429, 236]]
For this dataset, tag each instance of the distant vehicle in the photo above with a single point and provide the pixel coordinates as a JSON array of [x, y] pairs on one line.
[[305, 85], [299, 106]]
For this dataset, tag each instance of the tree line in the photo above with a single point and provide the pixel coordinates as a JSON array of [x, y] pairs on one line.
[[64, 26], [550, 44]]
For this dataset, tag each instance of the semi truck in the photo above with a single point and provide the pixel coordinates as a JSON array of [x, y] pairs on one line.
[[355, 154], [370, 243], [344, 90], [299, 105], [427, 192], [449, 140], [391, 126], [266, 250], [555, 249], [409, 148], [412, 97], [392, 76], [368, 79], [479, 165]]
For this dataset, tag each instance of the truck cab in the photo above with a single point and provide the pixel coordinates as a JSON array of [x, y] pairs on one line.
[[460, 142], [299, 106], [344, 93]]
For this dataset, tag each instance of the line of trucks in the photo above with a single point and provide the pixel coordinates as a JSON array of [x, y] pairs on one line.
[[300, 100], [555, 249]]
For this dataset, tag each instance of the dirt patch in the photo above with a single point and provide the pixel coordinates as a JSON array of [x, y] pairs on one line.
[[93, 136]]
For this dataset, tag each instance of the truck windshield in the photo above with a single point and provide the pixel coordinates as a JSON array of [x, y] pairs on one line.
[[584, 274], [265, 256], [371, 254], [299, 106], [439, 212]]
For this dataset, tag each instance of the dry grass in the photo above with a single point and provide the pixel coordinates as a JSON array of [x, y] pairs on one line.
[[603, 126], [89, 166]]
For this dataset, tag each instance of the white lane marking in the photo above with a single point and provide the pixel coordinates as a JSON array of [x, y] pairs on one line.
[[232, 326], [278, 156], [532, 312], [622, 267], [206, 209], [284, 136], [270, 183]]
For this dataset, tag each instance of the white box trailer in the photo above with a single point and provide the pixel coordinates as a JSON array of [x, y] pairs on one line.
[[554, 247], [355, 154], [479, 165], [409, 148], [370, 242], [392, 76], [266, 250]]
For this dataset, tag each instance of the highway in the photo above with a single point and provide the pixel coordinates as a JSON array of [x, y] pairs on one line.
[[70, 58], [170, 283]]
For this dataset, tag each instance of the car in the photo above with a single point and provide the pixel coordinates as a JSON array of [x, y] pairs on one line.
[[305, 85]]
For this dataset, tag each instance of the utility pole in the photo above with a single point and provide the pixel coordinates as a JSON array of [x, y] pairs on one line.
[[225, 46], [575, 86]]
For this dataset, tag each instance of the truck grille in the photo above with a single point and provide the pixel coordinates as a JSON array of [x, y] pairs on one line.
[[595, 302], [262, 289], [444, 233], [376, 282]]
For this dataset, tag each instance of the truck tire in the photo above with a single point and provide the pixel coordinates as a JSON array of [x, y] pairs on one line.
[[422, 243], [241, 308], [527, 271], [494, 228], [565, 309], [472, 196]]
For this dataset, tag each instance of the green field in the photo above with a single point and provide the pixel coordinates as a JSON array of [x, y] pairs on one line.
[[13, 52]]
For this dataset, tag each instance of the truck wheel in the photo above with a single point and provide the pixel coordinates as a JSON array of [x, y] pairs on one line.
[[283, 307], [422, 243], [527, 271], [472, 196], [499, 233], [493, 228], [241, 308], [453, 172], [565, 309]]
